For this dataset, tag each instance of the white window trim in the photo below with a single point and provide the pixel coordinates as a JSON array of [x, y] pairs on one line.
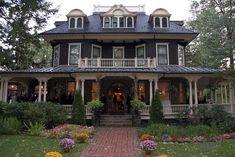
[[183, 54], [154, 26], [76, 21], [98, 46], [69, 52], [167, 47], [118, 22], [141, 45], [58, 62], [104, 22], [123, 47]]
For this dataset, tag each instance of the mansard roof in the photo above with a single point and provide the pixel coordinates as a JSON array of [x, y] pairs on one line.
[[168, 69]]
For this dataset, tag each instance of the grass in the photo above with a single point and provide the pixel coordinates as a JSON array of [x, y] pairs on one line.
[[32, 146], [224, 148]]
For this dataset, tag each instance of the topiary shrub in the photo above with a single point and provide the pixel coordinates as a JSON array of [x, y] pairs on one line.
[[78, 112], [156, 112]]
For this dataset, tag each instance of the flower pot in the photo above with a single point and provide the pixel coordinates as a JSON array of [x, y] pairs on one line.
[[148, 153]]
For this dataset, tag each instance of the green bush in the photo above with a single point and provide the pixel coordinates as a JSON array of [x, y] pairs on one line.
[[95, 104], [35, 128], [78, 113], [137, 104], [156, 112], [9, 126]]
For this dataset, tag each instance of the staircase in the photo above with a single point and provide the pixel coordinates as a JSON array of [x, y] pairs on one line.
[[116, 120]]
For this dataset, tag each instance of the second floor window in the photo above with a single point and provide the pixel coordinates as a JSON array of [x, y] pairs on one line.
[[56, 55], [74, 53], [162, 53], [140, 51], [181, 55], [96, 51]]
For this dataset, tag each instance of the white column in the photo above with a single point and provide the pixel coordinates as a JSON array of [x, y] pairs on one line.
[[150, 91], [5, 91], [77, 84], [135, 87], [222, 94], [82, 89], [45, 91], [155, 85], [225, 93], [1, 88], [40, 91], [195, 93], [190, 95], [231, 96]]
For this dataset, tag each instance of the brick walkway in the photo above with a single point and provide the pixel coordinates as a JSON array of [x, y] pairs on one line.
[[113, 142]]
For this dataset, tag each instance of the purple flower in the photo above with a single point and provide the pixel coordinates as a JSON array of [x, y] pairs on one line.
[[148, 145], [67, 143]]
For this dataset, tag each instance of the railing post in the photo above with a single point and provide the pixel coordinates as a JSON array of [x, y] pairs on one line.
[[148, 59], [86, 62], [136, 62], [98, 62], [79, 62], [154, 62]]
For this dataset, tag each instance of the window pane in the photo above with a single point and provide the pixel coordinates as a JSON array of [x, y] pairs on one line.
[[157, 22], [74, 54], [181, 55], [106, 22], [162, 54], [114, 22], [121, 22], [72, 23], [56, 56], [140, 52], [79, 23], [96, 52], [164, 22], [129, 22]]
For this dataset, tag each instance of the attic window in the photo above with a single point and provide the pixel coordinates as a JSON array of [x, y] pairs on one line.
[[161, 22], [157, 22], [164, 22], [106, 22], [118, 22], [76, 22]]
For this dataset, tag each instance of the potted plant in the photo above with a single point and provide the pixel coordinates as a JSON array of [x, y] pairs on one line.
[[148, 146], [137, 105], [67, 144], [95, 105]]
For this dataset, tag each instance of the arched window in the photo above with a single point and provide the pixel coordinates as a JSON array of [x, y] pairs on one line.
[[114, 22], [157, 22], [106, 22], [121, 22], [129, 22], [164, 22], [79, 23], [72, 23]]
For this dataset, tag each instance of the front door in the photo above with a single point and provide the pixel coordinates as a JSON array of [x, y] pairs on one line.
[[118, 56]]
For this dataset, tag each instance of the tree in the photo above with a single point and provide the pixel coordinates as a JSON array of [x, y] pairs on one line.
[[78, 112], [20, 22], [156, 112], [214, 46]]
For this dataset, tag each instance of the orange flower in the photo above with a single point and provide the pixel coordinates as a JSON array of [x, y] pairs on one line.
[[163, 155], [145, 137]]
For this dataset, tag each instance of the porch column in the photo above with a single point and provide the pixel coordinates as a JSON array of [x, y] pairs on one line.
[[1, 89], [150, 91], [40, 91], [77, 84], [231, 96], [97, 88], [135, 87], [195, 93], [45, 91], [5, 91], [226, 94], [82, 89], [190, 95], [222, 94], [155, 84]]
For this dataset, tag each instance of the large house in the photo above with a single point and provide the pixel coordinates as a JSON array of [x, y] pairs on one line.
[[116, 53]]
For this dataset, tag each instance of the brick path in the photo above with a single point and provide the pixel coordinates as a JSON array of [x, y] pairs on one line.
[[113, 142]]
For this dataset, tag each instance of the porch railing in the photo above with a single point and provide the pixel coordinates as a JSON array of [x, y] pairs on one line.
[[110, 62], [68, 109]]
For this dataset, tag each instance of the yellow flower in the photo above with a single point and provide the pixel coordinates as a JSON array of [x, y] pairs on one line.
[[163, 155], [53, 154]]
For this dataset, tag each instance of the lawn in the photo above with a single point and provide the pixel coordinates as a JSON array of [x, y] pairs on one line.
[[224, 148], [32, 146]]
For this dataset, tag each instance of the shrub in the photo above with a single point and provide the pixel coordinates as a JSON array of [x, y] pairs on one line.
[[95, 104], [35, 128], [78, 113], [137, 104], [3, 107], [156, 112], [9, 126]]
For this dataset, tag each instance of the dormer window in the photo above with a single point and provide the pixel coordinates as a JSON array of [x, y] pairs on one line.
[[164, 22], [121, 22], [76, 19], [115, 19], [106, 22], [160, 18], [130, 22], [157, 22]]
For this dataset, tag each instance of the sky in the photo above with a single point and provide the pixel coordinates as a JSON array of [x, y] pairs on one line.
[[179, 9]]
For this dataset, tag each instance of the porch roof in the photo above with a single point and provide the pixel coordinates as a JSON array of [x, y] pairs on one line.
[[168, 69]]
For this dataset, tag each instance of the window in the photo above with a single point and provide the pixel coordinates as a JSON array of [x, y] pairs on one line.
[[129, 22], [72, 23], [79, 23], [74, 53], [181, 55], [56, 55], [164, 22], [121, 22], [140, 51], [71, 88], [157, 22], [162, 53], [115, 23], [96, 51], [106, 22], [141, 91]]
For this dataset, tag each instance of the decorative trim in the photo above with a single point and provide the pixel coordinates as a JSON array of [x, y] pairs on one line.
[[69, 52], [167, 49]]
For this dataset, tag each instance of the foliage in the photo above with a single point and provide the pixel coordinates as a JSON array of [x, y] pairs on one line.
[[53, 154], [78, 113], [214, 46], [35, 129], [81, 137], [137, 104], [95, 104], [33, 146], [67, 143], [148, 145], [9, 126], [156, 112], [20, 22]]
